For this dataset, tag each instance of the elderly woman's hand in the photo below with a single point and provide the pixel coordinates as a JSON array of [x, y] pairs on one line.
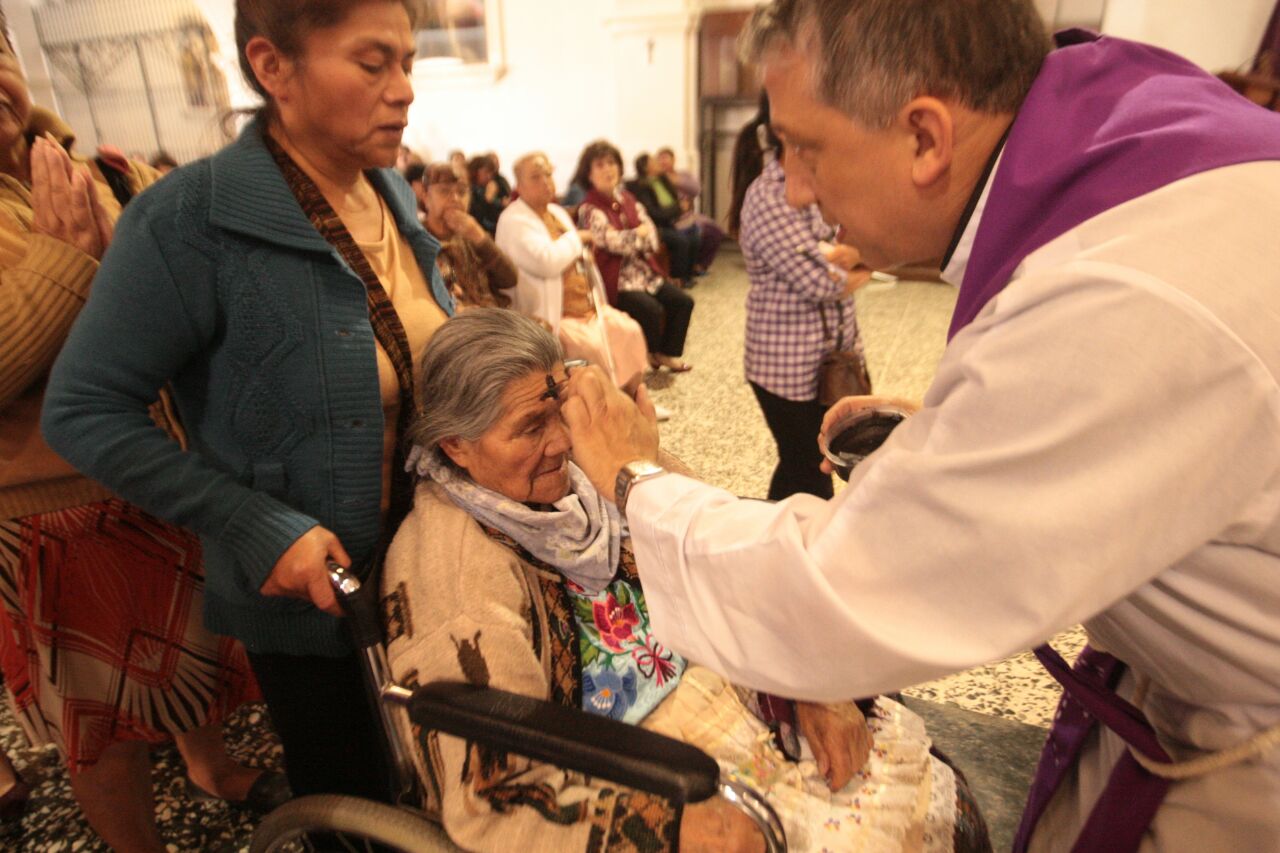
[[303, 570], [64, 202], [838, 737], [714, 825], [608, 429]]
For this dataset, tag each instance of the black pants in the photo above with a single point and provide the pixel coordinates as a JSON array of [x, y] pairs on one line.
[[664, 317], [683, 248], [332, 742], [795, 425]]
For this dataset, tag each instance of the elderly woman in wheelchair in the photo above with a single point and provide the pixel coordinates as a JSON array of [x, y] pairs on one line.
[[512, 572]]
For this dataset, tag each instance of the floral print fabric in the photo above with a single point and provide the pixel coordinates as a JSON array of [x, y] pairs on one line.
[[626, 672]]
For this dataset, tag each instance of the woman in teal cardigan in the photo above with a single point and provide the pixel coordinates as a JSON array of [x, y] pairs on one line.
[[283, 288]]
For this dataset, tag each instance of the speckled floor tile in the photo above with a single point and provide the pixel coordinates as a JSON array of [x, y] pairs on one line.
[[53, 822]]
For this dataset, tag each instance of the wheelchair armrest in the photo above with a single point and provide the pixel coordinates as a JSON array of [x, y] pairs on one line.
[[569, 738]]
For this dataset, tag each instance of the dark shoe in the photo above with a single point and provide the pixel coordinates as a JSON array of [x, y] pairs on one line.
[[13, 805], [267, 793]]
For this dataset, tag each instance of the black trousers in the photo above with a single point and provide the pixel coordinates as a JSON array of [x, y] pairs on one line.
[[795, 425], [683, 248], [332, 742], [664, 316]]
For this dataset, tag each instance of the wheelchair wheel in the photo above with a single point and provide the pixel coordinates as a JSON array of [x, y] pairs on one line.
[[334, 822]]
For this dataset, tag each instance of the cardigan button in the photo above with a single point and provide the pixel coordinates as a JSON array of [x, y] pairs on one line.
[[343, 333]]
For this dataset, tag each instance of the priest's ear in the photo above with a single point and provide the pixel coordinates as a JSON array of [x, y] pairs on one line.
[[931, 128]]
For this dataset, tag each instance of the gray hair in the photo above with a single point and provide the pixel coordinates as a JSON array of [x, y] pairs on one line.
[[524, 160], [467, 367], [871, 57]]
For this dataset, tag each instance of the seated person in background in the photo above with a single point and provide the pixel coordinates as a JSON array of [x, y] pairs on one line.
[[517, 576], [557, 277], [504, 186], [625, 241], [487, 197], [474, 268], [662, 203], [688, 188]]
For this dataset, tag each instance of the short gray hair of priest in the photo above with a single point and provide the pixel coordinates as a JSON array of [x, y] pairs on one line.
[[467, 367], [869, 58]]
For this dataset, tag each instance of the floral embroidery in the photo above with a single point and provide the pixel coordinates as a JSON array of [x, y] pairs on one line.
[[609, 693], [614, 621], [625, 671], [654, 661]]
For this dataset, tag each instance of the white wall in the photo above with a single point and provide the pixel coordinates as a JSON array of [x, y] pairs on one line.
[[575, 70], [1215, 34]]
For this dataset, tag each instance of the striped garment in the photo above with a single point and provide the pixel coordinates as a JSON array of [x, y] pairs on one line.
[[103, 639], [791, 285]]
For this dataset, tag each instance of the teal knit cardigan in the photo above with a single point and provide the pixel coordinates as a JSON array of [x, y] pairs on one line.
[[217, 283]]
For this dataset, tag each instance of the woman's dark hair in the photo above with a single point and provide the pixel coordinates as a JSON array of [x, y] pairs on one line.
[[478, 162], [642, 167], [748, 159], [598, 150], [288, 23]]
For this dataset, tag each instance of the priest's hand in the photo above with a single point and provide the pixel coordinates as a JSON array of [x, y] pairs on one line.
[[838, 736], [608, 429]]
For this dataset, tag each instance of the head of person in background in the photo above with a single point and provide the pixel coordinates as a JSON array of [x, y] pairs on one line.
[[535, 180], [599, 168], [458, 161], [646, 167], [413, 177], [445, 198], [666, 162], [163, 162], [407, 159], [480, 170]]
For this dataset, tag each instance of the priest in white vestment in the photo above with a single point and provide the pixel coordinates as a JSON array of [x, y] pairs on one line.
[[1101, 443]]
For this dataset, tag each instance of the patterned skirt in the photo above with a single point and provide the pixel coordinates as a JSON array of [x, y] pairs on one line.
[[101, 638]]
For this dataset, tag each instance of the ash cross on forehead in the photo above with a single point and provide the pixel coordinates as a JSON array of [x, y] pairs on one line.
[[553, 387]]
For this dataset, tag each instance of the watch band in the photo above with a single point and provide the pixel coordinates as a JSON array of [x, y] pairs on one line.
[[628, 475]]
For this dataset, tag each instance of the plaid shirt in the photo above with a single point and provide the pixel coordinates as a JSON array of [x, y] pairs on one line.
[[791, 287]]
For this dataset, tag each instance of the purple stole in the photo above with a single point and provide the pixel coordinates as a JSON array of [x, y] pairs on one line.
[[1106, 121]]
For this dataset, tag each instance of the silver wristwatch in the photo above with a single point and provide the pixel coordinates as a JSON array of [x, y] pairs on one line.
[[630, 474]]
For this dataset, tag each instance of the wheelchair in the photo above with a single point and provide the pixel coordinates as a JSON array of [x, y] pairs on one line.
[[567, 737]]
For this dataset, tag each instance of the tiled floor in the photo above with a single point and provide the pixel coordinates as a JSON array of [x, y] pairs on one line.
[[989, 719]]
